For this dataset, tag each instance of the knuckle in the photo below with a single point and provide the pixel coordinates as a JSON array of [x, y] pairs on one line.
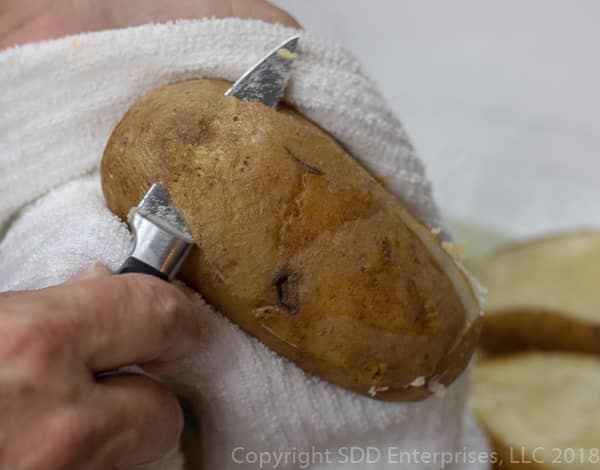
[[165, 302], [169, 309]]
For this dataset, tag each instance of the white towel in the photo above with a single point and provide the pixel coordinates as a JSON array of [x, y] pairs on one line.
[[60, 100]]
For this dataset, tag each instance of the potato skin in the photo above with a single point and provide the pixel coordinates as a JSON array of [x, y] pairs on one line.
[[530, 328], [536, 324], [296, 242]]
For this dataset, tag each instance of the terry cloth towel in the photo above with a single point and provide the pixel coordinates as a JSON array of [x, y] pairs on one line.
[[60, 101]]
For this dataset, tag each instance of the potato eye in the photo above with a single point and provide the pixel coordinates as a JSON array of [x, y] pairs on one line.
[[287, 291]]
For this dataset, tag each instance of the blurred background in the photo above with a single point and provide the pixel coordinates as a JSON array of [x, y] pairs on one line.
[[501, 100]]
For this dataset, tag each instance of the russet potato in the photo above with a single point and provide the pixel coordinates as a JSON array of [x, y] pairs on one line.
[[296, 242]]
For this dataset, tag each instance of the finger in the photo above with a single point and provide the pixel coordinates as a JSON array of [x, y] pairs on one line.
[[95, 270], [145, 419], [115, 321], [123, 421]]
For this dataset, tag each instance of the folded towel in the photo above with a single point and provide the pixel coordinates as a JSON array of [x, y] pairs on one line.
[[60, 100]]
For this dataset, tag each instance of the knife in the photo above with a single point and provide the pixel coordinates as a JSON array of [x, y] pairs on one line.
[[162, 238]]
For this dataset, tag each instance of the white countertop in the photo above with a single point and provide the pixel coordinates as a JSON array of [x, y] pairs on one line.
[[502, 100]]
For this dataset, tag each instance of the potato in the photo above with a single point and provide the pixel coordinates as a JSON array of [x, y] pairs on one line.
[[541, 410], [543, 294], [296, 242]]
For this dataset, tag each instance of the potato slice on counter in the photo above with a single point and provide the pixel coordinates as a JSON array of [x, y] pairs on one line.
[[296, 242], [543, 294], [541, 410]]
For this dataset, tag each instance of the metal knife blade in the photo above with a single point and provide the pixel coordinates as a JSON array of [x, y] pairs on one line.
[[158, 207], [162, 238], [265, 81]]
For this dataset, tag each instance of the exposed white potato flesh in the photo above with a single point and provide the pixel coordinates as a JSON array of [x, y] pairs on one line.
[[541, 408]]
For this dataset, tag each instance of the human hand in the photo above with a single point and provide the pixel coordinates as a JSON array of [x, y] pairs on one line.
[[56, 414], [23, 21]]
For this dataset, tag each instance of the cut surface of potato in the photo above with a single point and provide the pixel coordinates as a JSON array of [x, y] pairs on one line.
[[541, 410], [296, 242], [543, 293]]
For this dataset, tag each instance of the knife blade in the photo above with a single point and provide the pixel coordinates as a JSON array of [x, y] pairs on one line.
[[162, 238], [266, 80]]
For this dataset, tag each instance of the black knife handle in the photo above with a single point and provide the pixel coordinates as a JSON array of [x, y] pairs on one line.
[[134, 265]]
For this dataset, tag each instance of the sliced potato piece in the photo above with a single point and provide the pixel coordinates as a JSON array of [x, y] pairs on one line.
[[544, 294], [541, 410]]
